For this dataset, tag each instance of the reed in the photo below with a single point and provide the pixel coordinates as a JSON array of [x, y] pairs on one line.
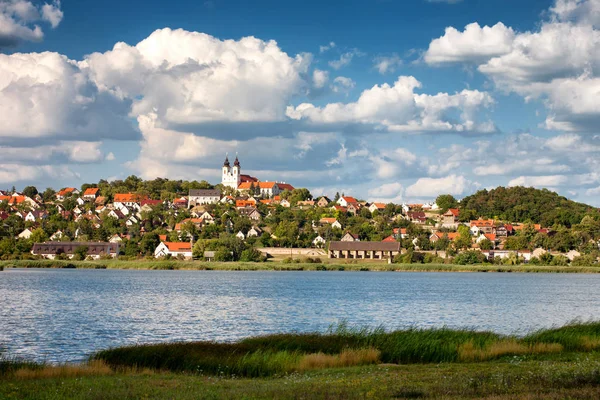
[[347, 358], [91, 368]]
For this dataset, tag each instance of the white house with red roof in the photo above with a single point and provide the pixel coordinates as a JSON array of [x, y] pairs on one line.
[[62, 194], [174, 249], [90, 194], [345, 200], [232, 177]]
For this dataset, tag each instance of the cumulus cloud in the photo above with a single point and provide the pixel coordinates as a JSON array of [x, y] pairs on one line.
[[455, 185], [387, 64], [190, 78], [323, 49], [399, 108], [345, 59], [388, 192], [474, 44], [539, 181], [320, 78], [342, 84], [47, 96], [557, 64], [18, 21]]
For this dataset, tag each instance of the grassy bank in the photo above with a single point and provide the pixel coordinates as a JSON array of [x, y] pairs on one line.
[[281, 266], [342, 364]]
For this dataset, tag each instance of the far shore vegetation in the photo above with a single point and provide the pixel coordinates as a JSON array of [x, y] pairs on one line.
[[295, 264], [342, 363]]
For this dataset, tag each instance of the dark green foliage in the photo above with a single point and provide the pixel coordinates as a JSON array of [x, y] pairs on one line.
[[520, 204], [573, 337], [470, 257]]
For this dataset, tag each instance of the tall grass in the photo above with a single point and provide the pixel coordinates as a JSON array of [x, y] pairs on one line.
[[344, 346]]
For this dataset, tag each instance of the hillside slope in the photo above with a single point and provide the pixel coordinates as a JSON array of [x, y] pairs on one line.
[[521, 204]]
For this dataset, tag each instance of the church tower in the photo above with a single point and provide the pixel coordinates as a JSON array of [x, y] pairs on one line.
[[231, 177]]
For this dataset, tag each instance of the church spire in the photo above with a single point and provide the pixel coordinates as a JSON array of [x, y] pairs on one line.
[[236, 163], [226, 163]]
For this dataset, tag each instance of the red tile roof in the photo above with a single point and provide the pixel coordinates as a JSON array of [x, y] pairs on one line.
[[453, 211], [389, 239], [129, 198], [349, 199], [285, 186], [91, 191], [178, 246]]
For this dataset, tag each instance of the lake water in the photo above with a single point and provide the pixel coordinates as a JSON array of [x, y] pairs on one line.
[[64, 315]]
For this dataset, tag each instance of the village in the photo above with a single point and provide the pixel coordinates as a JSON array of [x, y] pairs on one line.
[[266, 216]]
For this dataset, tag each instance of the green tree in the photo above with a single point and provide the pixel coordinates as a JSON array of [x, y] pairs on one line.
[[38, 236], [30, 191], [446, 201]]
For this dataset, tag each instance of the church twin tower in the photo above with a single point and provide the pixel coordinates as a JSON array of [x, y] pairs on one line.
[[231, 176]]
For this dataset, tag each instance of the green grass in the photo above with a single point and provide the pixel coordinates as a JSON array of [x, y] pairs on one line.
[[281, 353], [328, 265], [413, 363]]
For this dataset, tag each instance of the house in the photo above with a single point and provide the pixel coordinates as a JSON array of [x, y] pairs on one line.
[[174, 249], [306, 204], [339, 208], [181, 202], [265, 189], [63, 193], [245, 203], [345, 200], [26, 234], [240, 235], [417, 217], [115, 239], [254, 232], [17, 199], [323, 201], [571, 255], [100, 201], [484, 225], [501, 231], [285, 186], [318, 241], [58, 235], [197, 222], [377, 207], [36, 215], [285, 203], [116, 214], [390, 238], [450, 217], [352, 208], [203, 196], [251, 213], [524, 255], [122, 200], [400, 233], [94, 249], [207, 218], [434, 237], [364, 250], [331, 221], [90, 194], [350, 237], [486, 236]]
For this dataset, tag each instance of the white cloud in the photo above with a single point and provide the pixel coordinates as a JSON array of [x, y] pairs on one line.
[[474, 44], [345, 59], [586, 11], [18, 18], [389, 192], [110, 156], [191, 78], [320, 78], [593, 191], [46, 95], [455, 185], [399, 108], [387, 64], [539, 181], [323, 49], [342, 84]]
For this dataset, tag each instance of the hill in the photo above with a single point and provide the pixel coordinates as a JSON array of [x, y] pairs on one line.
[[521, 204]]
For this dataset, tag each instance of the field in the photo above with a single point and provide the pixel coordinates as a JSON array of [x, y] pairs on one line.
[[302, 265], [341, 364]]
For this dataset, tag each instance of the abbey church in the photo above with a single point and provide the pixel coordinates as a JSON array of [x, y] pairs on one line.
[[233, 178]]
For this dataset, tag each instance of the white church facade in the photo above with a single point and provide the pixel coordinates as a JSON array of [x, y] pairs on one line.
[[232, 177]]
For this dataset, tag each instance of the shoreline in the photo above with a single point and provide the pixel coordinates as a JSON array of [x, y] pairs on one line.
[[288, 267]]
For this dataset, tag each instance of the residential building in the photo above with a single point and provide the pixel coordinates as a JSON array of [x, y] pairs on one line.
[[450, 217], [364, 250], [377, 207], [90, 194], [350, 237], [331, 221], [174, 249], [323, 201], [345, 200], [318, 242], [63, 193], [95, 250], [484, 225], [203, 196]]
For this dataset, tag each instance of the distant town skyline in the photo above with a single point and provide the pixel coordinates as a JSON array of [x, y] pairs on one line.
[[390, 101]]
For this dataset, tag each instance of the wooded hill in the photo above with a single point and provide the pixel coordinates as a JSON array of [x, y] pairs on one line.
[[521, 204]]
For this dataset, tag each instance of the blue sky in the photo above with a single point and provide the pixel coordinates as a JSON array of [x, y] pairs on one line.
[[385, 100]]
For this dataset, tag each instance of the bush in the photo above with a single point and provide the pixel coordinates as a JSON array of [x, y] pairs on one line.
[[559, 260], [290, 260], [311, 260], [252, 255], [470, 257]]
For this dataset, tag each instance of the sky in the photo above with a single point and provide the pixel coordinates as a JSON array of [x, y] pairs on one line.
[[381, 99]]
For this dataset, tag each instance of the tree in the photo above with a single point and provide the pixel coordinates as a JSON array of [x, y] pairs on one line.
[[149, 243], [80, 252], [486, 244], [446, 201], [38, 236], [30, 191]]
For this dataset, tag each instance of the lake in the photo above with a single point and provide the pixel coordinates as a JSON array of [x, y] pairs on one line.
[[62, 315]]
